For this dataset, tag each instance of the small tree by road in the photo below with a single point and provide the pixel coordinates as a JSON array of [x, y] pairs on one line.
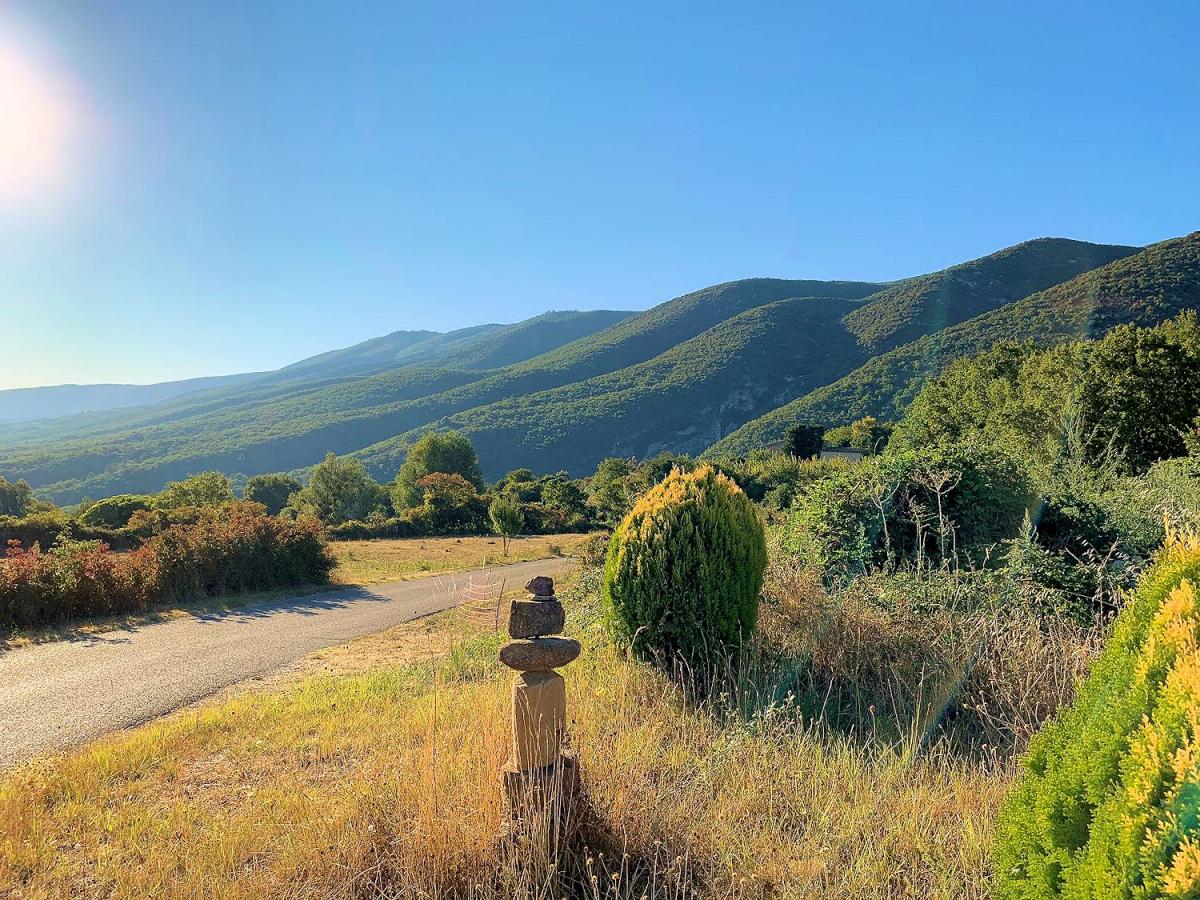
[[507, 519]]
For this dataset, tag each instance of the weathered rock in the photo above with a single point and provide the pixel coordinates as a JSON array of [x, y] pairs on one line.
[[535, 618], [539, 701], [539, 654], [541, 586]]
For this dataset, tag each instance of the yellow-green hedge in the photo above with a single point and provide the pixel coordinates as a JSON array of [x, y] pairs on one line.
[[1109, 806], [685, 568]]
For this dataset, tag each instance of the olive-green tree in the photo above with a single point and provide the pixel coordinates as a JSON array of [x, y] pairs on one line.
[[507, 519], [448, 452]]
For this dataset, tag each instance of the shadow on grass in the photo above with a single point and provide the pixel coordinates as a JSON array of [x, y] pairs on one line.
[[597, 861]]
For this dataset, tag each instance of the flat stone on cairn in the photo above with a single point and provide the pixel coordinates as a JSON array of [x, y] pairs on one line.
[[540, 778], [539, 654]]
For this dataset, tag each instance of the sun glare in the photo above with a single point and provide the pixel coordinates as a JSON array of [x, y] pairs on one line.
[[36, 126]]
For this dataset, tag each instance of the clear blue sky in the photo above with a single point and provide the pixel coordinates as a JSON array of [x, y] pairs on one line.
[[226, 186]]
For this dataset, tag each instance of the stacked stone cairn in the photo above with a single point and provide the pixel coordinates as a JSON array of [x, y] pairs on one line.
[[540, 779]]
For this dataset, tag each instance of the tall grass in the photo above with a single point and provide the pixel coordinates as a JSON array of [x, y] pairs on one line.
[[386, 785]]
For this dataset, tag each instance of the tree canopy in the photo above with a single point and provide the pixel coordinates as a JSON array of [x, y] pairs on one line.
[[448, 452]]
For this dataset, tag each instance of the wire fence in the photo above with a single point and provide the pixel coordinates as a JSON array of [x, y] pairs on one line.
[[482, 601]]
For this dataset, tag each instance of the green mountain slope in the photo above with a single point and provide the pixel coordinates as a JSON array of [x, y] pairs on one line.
[[924, 305], [573, 426], [560, 390], [275, 425], [679, 400], [26, 404], [513, 344], [1145, 288]]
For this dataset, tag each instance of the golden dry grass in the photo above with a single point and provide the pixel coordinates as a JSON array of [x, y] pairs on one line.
[[384, 784], [370, 562]]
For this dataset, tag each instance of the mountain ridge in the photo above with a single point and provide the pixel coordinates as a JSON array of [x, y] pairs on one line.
[[1145, 288], [561, 390]]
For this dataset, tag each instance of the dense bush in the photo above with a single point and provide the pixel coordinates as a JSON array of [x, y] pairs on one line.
[[273, 490], [45, 528], [339, 490], [115, 512], [16, 498], [228, 549], [203, 489], [448, 452], [1108, 805], [1134, 393], [867, 434], [685, 568], [940, 506], [775, 479]]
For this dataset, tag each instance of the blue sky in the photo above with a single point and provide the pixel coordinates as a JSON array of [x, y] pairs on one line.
[[214, 187]]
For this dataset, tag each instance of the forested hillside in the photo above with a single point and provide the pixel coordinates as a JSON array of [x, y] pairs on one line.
[[924, 305], [680, 400], [1146, 288], [663, 405], [565, 389], [293, 417]]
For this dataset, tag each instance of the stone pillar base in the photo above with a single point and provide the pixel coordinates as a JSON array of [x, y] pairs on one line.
[[540, 802]]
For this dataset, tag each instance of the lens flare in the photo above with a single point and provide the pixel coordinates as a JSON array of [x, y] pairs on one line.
[[37, 124]]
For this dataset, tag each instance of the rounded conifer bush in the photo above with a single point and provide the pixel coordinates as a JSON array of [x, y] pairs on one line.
[[685, 568]]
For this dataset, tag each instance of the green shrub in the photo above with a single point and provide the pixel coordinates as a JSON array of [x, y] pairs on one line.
[[273, 490], [685, 568], [115, 512], [1108, 804], [227, 549], [934, 506]]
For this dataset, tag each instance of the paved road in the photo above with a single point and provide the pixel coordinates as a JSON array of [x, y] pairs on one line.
[[60, 694]]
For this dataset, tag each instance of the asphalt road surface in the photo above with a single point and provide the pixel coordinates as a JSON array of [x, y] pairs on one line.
[[64, 693]]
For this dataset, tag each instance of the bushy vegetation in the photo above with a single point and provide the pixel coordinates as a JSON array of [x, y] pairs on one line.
[[115, 512], [273, 490], [947, 506], [867, 434], [226, 549], [445, 452], [1131, 395], [685, 568], [16, 498], [1107, 806]]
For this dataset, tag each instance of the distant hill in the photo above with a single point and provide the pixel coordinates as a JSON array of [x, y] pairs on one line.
[[721, 367], [27, 404], [1145, 288], [679, 400]]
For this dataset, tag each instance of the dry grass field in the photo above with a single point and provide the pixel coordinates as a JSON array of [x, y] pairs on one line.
[[382, 782], [371, 562]]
